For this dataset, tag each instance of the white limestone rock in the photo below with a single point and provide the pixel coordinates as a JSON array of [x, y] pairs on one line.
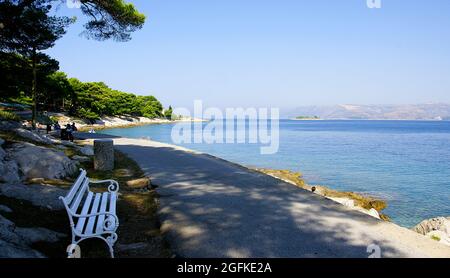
[[40, 162], [9, 250], [86, 150], [2, 153], [4, 208], [7, 233], [32, 235], [68, 143], [9, 171], [32, 136], [9, 125], [39, 195], [374, 213], [349, 203], [433, 224], [15, 241], [80, 158], [61, 147]]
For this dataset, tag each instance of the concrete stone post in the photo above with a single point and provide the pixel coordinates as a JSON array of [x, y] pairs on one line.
[[103, 154]]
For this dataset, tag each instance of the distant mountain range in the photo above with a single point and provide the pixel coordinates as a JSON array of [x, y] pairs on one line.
[[374, 112]]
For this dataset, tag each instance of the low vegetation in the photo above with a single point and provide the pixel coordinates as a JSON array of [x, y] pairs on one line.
[[288, 176], [9, 116], [435, 237]]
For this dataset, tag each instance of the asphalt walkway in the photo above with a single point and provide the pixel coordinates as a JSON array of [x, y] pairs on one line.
[[213, 208]]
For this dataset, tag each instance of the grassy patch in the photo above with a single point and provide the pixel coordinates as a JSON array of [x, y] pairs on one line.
[[9, 116], [56, 182], [70, 152], [137, 213], [125, 169]]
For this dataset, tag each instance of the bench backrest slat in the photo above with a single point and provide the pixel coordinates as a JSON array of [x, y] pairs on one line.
[[76, 186], [84, 211], [94, 209], [79, 195]]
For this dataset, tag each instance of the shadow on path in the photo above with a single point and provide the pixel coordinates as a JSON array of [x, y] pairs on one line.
[[213, 208]]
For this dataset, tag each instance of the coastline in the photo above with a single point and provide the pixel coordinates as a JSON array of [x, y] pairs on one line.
[[363, 203], [179, 185], [109, 122]]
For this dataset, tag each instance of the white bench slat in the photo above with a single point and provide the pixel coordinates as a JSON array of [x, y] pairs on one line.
[[84, 211], [79, 196], [90, 225], [101, 218], [75, 187]]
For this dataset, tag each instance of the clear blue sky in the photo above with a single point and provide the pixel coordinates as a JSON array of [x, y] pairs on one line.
[[283, 53]]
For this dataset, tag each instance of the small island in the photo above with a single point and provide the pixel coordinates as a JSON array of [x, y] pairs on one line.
[[306, 118]]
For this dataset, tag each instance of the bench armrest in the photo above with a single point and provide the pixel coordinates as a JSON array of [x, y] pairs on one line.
[[93, 214], [112, 187], [107, 220]]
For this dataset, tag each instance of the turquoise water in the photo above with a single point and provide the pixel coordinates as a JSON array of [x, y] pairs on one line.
[[406, 163]]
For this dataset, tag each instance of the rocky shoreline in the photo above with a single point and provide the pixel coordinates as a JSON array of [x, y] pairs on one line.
[[356, 201], [437, 229], [115, 121]]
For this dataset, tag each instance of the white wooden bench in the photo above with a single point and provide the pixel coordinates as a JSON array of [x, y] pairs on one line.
[[92, 215]]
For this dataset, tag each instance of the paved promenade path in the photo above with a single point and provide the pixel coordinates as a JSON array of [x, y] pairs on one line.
[[213, 208]]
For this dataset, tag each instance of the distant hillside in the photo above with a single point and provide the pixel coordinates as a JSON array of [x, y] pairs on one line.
[[375, 112]]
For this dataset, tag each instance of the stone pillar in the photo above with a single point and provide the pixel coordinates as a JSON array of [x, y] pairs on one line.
[[103, 154]]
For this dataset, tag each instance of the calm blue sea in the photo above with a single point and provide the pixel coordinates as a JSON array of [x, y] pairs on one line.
[[406, 163]]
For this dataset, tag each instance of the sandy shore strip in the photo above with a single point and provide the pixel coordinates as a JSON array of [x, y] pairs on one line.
[[107, 122], [210, 207]]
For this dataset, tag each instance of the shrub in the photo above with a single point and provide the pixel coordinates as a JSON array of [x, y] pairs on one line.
[[435, 237], [10, 116]]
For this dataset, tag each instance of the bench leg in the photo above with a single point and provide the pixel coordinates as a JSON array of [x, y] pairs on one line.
[[111, 240], [73, 250]]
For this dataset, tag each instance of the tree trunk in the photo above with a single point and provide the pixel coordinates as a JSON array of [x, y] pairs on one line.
[[33, 90]]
